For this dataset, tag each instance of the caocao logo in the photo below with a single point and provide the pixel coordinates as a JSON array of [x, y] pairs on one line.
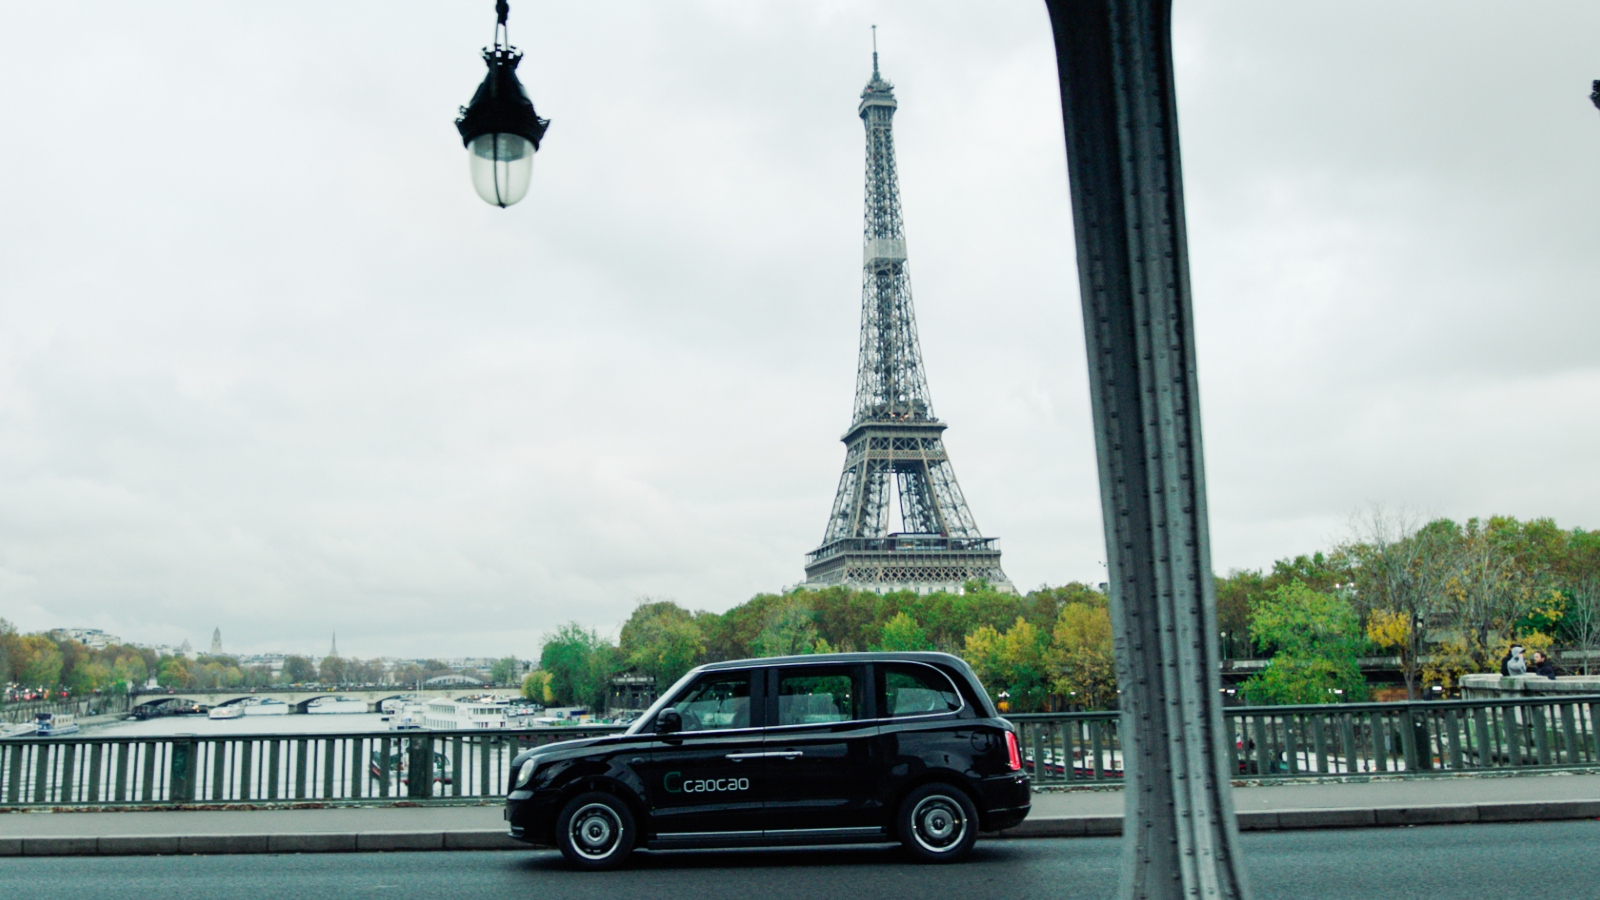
[[675, 783]]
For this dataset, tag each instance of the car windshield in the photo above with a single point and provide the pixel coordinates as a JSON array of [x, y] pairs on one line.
[[648, 717]]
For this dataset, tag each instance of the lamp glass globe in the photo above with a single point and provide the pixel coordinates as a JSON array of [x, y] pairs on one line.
[[502, 167]]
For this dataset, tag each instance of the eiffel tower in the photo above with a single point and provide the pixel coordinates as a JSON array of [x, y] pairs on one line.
[[894, 438]]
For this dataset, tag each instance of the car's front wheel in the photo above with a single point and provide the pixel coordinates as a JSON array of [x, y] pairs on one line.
[[595, 831], [938, 823]]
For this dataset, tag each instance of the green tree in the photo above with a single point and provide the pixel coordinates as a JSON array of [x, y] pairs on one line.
[[504, 671], [580, 664], [1013, 662], [173, 672], [790, 631], [903, 633], [128, 672], [299, 670], [1317, 642], [663, 640], [536, 687]]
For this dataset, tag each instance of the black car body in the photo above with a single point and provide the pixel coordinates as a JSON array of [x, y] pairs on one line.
[[829, 748]]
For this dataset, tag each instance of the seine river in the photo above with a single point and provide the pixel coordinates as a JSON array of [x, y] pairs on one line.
[[355, 723]]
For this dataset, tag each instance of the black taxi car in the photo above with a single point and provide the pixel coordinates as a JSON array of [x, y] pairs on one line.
[[830, 748]]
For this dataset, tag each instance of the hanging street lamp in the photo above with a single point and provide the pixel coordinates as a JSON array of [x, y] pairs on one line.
[[499, 127]]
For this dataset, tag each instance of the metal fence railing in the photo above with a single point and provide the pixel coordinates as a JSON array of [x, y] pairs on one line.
[[1339, 740], [96, 704], [277, 768], [1331, 741]]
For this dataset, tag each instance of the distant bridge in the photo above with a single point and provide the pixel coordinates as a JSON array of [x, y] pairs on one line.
[[298, 700]]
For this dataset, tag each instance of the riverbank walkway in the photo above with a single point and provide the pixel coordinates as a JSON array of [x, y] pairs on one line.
[[1075, 813]]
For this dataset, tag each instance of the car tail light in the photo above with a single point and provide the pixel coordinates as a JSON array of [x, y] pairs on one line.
[[1014, 756]]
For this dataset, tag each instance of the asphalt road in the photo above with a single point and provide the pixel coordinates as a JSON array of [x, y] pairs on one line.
[[1556, 859]]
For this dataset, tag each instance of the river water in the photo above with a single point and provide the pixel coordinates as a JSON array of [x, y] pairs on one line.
[[305, 723]]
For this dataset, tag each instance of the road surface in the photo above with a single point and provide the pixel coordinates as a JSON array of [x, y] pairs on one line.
[[1554, 859]]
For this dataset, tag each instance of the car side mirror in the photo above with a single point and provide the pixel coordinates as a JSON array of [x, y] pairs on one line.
[[669, 721]]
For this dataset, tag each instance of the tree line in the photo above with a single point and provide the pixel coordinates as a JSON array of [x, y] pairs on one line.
[[1445, 598], [1049, 649], [42, 663]]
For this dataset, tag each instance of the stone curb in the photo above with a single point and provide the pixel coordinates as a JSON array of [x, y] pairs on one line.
[[1359, 817], [1052, 827]]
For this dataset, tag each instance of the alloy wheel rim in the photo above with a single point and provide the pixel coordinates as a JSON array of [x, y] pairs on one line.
[[938, 823], [596, 831]]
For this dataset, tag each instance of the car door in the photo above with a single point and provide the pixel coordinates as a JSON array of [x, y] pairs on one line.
[[821, 752], [696, 780]]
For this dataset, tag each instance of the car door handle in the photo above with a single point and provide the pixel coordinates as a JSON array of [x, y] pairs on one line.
[[785, 754]]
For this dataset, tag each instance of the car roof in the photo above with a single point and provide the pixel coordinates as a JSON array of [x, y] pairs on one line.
[[818, 658]]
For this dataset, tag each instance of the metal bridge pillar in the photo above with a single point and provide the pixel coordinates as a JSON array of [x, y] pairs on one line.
[[1120, 114]]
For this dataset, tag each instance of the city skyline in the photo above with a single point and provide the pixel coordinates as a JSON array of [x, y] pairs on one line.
[[295, 378]]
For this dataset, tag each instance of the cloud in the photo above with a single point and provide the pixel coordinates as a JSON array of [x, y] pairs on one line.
[[269, 364]]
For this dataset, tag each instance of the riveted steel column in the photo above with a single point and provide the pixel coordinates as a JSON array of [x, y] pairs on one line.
[[1120, 112]]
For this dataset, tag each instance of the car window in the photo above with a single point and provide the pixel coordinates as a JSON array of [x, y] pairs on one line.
[[819, 695], [716, 701], [917, 691]]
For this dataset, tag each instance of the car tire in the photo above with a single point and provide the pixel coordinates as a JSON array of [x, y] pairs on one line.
[[938, 823], [595, 831]]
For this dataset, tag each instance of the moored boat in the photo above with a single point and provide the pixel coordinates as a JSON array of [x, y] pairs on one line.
[[19, 730], [336, 706], [465, 715], [408, 718], [264, 706], [55, 724]]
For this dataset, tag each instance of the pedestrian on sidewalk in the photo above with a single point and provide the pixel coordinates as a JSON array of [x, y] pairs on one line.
[[1513, 663], [1543, 666]]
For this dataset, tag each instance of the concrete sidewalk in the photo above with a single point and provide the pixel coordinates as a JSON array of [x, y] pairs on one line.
[[1415, 801]]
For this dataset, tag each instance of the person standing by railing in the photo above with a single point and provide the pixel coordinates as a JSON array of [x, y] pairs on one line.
[[1543, 666], [1513, 663]]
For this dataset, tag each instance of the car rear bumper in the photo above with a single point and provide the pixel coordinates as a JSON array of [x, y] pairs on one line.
[[1004, 801]]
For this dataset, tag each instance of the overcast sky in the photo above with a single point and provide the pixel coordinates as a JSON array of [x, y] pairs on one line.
[[267, 362]]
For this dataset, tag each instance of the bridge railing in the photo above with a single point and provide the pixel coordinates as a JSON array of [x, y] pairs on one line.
[[25, 710], [271, 768], [1332, 741], [1341, 740]]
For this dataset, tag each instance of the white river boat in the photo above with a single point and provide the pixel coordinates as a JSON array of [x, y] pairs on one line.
[[55, 724], [231, 711], [409, 717], [465, 715]]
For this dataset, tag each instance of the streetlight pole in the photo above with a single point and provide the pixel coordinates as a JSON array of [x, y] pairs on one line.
[[1180, 838]]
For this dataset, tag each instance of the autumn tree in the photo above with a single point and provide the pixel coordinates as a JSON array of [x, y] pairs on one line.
[[1014, 662], [1082, 656], [1400, 575]]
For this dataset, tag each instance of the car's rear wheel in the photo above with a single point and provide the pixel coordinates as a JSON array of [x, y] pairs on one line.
[[595, 831], [938, 823]]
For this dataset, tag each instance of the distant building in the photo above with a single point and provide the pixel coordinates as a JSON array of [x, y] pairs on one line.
[[452, 681], [630, 691], [93, 638], [273, 661], [216, 642]]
